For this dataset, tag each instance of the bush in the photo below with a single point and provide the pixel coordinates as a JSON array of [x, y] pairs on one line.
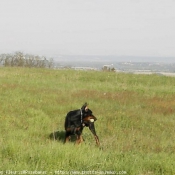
[[108, 69]]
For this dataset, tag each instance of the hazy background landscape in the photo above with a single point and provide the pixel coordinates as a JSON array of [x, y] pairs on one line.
[[120, 63]]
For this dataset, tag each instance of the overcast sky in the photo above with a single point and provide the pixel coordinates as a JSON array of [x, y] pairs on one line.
[[88, 27]]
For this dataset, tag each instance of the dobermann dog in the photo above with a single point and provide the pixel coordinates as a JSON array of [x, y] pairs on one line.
[[76, 120]]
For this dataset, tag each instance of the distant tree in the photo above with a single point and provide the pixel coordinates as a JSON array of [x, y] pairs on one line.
[[108, 68], [50, 63], [20, 60]]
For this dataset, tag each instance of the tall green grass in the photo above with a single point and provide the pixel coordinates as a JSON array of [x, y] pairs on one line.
[[136, 119]]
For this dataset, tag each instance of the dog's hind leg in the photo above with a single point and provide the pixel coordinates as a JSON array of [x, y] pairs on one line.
[[67, 137]]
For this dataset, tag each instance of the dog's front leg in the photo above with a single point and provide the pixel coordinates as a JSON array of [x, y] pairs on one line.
[[79, 139]]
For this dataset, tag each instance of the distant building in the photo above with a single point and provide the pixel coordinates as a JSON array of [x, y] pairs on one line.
[[84, 68]]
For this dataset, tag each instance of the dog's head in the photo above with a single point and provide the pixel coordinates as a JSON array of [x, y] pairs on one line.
[[89, 120], [88, 117]]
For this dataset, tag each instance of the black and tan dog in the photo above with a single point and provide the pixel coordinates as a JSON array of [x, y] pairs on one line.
[[75, 122]]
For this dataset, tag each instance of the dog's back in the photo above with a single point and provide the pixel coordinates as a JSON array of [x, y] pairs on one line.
[[73, 118]]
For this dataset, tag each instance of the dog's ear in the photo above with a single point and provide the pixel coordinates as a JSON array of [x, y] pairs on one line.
[[84, 106]]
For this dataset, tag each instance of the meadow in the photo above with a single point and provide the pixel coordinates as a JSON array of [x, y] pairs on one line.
[[135, 122]]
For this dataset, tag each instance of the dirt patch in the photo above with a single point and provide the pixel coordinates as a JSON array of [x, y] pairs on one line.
[[159, 105]]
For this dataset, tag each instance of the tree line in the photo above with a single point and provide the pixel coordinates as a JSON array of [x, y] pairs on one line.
[[19, 59]]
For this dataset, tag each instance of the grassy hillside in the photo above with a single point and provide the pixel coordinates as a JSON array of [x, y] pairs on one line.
[[136, 122]]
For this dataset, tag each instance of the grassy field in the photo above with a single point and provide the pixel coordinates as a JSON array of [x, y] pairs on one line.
[[136, 122]]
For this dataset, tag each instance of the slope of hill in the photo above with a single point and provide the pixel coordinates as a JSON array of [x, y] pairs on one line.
[[135, 122]]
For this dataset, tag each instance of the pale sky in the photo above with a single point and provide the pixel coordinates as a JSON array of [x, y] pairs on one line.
[[88, 27]]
